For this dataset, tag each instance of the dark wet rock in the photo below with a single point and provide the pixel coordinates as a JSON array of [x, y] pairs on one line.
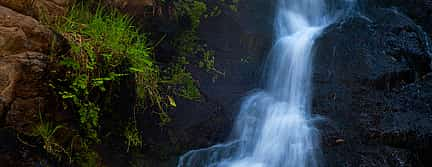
[[409, 124], [371, 85], [370, 156], [241, 41], [419, 10], [13, 152]]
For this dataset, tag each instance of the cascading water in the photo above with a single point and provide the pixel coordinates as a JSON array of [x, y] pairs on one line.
[[274, 127]]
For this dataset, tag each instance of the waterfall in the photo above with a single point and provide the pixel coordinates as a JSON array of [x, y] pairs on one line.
[[274, 127]]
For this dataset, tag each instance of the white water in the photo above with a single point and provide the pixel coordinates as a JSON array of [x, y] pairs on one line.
[[274, 127]]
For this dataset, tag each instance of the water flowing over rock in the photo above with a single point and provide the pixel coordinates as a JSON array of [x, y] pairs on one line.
[[370, 80], [274, 127]]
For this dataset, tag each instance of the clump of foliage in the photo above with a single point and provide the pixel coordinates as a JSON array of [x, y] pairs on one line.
[[132, 135], [101, 42], [186, 85], [193, 9], [104, 48], [47, 131], [187, 42], [190, 48]]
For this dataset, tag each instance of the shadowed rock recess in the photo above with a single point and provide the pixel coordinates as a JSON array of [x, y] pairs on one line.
[[372, 81]]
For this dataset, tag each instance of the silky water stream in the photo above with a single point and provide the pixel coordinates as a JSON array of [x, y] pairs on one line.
[[274, 127]]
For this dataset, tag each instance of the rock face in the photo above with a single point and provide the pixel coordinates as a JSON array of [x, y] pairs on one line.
[[23, 62], [371, 85], [419, 10], [43, 9], [24, 47]]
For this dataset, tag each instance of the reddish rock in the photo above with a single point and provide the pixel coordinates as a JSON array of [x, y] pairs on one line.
[[46, 9], [24, 45]]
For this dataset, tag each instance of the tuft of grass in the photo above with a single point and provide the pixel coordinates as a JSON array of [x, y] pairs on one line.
[[101, 43], [47, 131], [104, 47]]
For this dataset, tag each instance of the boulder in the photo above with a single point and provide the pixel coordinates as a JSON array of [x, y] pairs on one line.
[[371, 86], [419, 10]]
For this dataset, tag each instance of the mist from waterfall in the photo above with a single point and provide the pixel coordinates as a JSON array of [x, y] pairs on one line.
[[275, 127]]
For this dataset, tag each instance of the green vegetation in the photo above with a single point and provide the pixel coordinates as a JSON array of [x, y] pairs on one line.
[[185, 84], [193, 9], [105, 48], [47, 131], [101, 44], [132, 135], [191, 49]]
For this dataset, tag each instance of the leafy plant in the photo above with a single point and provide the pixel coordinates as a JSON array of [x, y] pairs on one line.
[[193, 9], [104, 47], [187, 42], [46, 131], [132, 135], [101, 42]]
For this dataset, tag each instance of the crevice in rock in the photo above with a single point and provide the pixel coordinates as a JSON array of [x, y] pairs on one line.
[[5, 109]]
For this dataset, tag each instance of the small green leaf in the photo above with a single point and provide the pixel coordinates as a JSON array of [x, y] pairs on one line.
[[172, 101]]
